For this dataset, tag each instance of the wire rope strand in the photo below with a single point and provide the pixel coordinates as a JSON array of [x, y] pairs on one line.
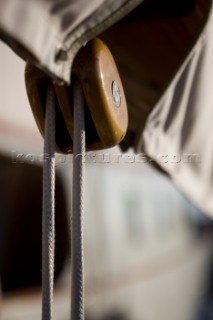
[[77, 239], [48, 210]]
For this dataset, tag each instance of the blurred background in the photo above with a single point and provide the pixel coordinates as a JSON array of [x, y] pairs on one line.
[[148, 251]]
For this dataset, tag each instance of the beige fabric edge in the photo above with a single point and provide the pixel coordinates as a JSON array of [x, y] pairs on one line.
[[40, 32], [179, 132]]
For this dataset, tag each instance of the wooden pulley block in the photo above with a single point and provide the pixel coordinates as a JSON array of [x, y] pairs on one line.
[[106, 115]]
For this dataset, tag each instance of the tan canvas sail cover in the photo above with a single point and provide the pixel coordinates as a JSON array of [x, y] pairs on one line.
[[51, 32]]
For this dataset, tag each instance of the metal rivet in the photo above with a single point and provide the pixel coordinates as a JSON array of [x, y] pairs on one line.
[[60, 53], [116, 93]]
